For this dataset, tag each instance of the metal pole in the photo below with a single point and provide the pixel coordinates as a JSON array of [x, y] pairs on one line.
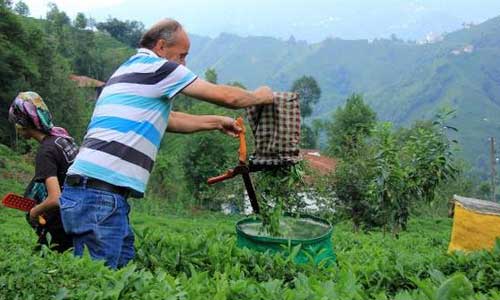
[[493, 162]]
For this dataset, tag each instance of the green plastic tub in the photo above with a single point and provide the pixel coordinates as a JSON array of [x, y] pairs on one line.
[[312, 233]]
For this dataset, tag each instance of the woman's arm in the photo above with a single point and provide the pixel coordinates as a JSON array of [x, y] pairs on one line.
[[52, 200]]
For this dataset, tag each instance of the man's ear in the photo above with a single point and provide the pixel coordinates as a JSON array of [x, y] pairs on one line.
[[161, 44]]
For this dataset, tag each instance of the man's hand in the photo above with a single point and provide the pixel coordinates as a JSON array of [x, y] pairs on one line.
[[229, 126], [265, 93]]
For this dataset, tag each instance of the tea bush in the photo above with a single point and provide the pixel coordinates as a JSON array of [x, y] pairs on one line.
[[195, 257]]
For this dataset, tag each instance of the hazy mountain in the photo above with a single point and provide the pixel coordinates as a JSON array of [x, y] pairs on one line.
[[402, 81]]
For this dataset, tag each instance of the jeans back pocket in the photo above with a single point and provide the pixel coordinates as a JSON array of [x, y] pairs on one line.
[[104, 206]]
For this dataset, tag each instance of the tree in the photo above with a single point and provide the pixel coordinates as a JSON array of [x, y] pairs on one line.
[[309, 92], [58, 27], [6, 4], [92, 23], [22, 9], [84, 57], [31, 60], [237, 84], [128, 32], [59, 18], [350, 125], [379, 179], [211, 75], [80, 21], [308, 139], [206, 155]]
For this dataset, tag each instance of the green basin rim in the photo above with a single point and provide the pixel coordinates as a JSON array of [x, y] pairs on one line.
[[279, 240]]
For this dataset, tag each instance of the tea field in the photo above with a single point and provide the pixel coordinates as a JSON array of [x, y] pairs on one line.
[[194, 256]]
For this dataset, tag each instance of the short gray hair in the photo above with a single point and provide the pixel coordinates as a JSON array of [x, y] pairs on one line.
[[164, 29]]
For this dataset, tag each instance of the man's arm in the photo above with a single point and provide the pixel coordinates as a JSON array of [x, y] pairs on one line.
[[185, 123], [228, 96], [52, 200]]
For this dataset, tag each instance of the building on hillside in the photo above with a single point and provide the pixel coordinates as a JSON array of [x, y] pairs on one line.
[[87, 82], [320, 163]]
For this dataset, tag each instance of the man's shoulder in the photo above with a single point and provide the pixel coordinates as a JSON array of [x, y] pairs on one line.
[[143, 59]]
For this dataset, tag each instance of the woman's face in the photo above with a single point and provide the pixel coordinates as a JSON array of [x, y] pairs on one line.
[[23, 131]]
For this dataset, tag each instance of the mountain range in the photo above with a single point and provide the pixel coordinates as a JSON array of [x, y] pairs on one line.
[[403, 81]]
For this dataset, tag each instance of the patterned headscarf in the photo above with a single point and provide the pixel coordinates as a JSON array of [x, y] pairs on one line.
[[29, 110]]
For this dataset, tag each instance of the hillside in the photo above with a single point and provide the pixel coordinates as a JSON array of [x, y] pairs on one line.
[[402, 81]]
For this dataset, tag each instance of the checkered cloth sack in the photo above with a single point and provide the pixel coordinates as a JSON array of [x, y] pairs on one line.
[[276, 129]]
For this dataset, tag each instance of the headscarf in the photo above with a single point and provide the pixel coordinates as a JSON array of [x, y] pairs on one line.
[[29, 110]]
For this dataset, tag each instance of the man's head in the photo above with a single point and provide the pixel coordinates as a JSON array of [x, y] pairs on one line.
[[167, 39]]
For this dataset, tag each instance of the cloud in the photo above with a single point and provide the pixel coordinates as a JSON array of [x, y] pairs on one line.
[[38, 8]]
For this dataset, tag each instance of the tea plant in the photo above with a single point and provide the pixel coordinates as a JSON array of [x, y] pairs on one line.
[[279, 190], [196, 257]]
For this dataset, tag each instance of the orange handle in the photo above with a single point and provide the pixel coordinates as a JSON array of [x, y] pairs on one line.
[[229, 174], [243, 144], [41, 220]]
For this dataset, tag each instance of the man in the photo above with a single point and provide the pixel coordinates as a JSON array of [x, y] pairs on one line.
[[118, 151]]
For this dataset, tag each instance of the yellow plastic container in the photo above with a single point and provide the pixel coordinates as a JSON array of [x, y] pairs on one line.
[[476, 224]]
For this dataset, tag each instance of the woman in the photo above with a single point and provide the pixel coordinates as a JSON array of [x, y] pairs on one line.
[[56, 153]]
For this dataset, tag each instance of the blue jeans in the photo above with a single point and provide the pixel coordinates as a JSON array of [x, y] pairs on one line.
[[98, 220]]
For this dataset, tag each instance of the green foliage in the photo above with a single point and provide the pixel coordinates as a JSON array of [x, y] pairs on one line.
[[382, 173], [279, 190], [108, 55], [389, 190], [185, 162], [30, 60], [402, 81], [59, 18], [127, 32], [308, 138], [15, 171], [430, 158], [6, 4], [22, 9], [81, 21], [309, 91], [211, 75], [168, 180], [40, 55], [350, 186], [350, 124], [484, 190], [206, 155], [237, 84], [196, 257]]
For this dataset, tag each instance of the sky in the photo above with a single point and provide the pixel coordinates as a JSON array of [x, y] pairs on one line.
[[310, 20]]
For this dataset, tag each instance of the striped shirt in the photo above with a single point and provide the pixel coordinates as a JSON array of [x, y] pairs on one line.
[[129, 120]]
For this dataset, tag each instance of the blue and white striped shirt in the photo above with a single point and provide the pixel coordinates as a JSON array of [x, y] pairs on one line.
[[129, 120]]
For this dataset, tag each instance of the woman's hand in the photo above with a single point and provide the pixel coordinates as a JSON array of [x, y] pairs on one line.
[[33, 215]]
